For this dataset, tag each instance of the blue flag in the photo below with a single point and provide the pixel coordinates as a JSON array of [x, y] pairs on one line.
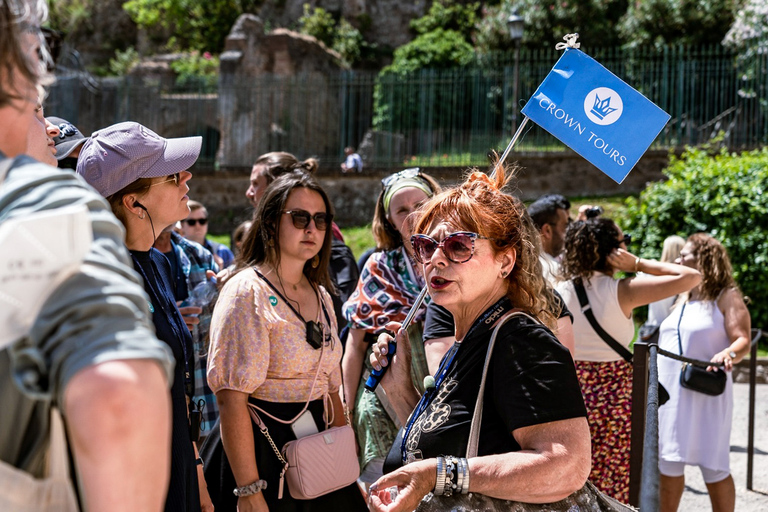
[[596, 114]]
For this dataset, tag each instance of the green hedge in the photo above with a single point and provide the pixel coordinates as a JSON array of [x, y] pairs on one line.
[[721, 194]]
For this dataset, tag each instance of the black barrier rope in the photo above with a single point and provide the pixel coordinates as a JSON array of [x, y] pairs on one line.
[[695, 362]]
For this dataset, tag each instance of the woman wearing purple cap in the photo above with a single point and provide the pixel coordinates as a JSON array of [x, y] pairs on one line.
[[144, 178]]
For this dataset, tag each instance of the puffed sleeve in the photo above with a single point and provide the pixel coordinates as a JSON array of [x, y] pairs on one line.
[[537, 374], [240, 343]]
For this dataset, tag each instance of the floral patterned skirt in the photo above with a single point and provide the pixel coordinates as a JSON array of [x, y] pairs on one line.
[[607, 390]]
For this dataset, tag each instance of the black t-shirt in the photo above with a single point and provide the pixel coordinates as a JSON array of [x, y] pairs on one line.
[[439, 321], [531, 380]]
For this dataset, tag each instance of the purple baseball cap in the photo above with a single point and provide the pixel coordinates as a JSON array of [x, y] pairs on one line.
[[114, 157], [69, 137]]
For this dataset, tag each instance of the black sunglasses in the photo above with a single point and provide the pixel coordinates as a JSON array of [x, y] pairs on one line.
[[411, 172], [626, 240], [301, 219], [458, 247], [193, 222]]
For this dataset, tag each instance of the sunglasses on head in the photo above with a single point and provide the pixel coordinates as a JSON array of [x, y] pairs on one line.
[[301, 219], [175, 178], [411, 172], [458, 247], [193, 222]]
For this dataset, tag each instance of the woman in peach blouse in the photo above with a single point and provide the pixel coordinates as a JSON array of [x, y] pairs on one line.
[[263, 353]]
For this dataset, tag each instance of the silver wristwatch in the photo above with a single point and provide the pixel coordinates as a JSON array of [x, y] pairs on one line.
[[250, 489]]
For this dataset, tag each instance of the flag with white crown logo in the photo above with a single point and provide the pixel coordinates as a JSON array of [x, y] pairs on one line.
[[596, 114]]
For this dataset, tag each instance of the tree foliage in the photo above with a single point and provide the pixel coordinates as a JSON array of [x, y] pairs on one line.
[[195, 25], [547, 22], [339, 35], [721, 194], [692, 22]]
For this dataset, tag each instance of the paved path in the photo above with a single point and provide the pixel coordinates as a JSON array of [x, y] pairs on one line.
[[696, 499]]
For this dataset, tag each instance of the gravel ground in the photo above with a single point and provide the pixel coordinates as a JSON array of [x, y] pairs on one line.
[[695, 497]]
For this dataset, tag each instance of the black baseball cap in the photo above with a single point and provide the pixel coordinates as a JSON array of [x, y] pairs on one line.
[[68, 140]]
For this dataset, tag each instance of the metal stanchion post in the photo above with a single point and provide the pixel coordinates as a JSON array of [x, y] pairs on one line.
[[639, 395]]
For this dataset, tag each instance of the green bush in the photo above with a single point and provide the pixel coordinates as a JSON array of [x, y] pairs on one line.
[[721, 194], [123, 61], [197, 71]]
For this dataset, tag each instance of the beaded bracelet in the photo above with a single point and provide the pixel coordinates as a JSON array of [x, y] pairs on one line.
[[451, 474]]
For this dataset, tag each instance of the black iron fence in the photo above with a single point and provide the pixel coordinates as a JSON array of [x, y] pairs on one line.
[[427, 118]]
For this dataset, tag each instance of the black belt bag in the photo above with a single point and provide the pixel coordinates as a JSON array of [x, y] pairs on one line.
[[697, 378]]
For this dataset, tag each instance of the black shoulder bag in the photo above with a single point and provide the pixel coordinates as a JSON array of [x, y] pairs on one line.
[[697, 378], [617, 347]]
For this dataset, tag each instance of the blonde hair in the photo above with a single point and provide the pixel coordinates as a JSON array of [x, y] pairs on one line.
[[671, 249]]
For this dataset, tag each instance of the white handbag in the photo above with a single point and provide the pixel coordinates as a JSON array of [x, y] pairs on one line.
[[21, 492]]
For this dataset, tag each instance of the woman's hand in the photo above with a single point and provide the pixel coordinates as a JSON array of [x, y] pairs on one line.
[[400, 365], [397, 381], [724, 358], [621, 259], [412, 481], [190, 314], [252, 503]]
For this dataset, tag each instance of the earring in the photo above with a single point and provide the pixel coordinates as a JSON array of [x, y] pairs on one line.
[[141, 215], [270, 243], [504, 274], [315, 261]]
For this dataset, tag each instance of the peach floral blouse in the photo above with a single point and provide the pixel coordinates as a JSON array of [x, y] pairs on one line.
[[259, 347]]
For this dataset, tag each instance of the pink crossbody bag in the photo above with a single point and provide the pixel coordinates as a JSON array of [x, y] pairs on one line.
[[317, 464]]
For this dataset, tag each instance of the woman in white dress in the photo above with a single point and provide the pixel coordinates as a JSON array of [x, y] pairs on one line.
[[713, 324]]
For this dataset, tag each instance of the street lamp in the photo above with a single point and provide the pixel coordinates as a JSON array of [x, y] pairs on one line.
[[515, 24]]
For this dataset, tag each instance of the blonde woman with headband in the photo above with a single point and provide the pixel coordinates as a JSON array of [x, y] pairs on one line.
[[388, 286]]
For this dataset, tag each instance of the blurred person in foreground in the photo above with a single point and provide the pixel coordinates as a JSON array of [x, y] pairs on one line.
[[479, 264], [144, 178], [710, 323], [91, 350], [595, 252]]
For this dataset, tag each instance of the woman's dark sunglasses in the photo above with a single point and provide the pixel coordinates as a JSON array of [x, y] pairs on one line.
[[626, 240], [458, 247], [192, 222], [301, 219]]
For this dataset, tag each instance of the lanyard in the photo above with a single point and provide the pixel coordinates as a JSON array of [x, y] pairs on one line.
[[482, 324], [287, 303], [173, 319]]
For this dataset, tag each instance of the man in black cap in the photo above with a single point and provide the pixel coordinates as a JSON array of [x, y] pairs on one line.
[[68, 144]]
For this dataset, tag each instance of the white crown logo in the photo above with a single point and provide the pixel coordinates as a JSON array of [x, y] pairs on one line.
[[602, 108]]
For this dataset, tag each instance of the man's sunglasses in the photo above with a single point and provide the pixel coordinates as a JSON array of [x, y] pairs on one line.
[[301, 219], [175, 178], [458, 247], [193, 222]]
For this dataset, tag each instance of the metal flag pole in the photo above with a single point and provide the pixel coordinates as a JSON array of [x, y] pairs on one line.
[[512, 142]]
